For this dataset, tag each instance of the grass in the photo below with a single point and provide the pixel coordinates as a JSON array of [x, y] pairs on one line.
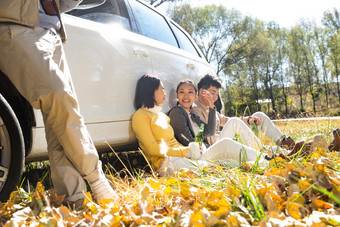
[[305, 130], [287, 191]]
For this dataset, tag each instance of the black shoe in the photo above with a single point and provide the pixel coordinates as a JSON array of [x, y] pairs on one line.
[[268, 158], [287, 143]]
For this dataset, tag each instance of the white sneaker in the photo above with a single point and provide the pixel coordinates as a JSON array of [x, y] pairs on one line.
[[101, 189]]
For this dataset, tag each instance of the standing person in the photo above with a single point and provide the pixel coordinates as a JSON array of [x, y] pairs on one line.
[[211, 84], [32, 56], [156, 136]]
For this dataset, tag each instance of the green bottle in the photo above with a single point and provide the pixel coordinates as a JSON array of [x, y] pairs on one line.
[[255, 128], [199, 137], [235, 137]]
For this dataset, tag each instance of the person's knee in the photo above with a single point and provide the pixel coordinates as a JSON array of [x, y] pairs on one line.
[[262, 116], [60, 97], [235, 120], [259, 114], [227, 142]]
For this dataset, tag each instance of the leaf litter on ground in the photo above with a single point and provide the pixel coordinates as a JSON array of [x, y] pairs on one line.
[[304, 191]]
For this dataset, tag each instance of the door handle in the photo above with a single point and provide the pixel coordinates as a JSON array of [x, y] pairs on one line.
[[141, 53], [191, 66]]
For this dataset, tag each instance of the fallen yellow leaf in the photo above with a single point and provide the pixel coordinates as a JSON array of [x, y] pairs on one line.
[[317, 203], [293, 210]]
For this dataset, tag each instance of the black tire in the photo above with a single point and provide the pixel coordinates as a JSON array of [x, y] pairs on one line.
[[11, 150]]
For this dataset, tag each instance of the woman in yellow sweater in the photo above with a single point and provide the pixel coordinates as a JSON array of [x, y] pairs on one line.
[[156, 136]]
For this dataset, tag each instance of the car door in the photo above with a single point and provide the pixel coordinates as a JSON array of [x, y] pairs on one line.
[[168, 60], [105, 60]]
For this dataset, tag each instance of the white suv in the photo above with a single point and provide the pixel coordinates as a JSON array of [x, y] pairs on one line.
[[109, 47]]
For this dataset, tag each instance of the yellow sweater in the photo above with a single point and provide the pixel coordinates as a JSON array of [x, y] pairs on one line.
[[156, 136]]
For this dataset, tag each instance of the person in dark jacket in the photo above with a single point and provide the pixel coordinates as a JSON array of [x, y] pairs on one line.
[[157, 139], [184, 122]]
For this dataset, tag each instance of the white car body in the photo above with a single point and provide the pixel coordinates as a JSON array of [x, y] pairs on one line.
[[105, 61]]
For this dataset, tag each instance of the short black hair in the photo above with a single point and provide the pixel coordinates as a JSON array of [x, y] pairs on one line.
[[145, 91], [187, 81], [207, 81]]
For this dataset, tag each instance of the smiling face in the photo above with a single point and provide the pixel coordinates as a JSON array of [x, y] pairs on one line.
[[186, 95], [159, 95]]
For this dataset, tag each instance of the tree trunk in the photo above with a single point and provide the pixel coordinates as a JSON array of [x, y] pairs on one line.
[[286, 103], [301, 103], [338, 87], [313, 99], [326, 94], [271, 95], [326, 89]]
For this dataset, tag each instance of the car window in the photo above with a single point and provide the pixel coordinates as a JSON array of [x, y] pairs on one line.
[[107, 13], [184, 42], [152, 24]]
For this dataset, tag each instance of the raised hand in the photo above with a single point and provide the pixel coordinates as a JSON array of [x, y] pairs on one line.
[[251, 120], [207, 98]]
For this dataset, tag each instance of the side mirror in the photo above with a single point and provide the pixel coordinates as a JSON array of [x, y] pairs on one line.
[[87, 4]]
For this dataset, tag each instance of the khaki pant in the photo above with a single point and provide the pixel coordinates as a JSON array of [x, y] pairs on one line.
[[247, 137], [226, 150], [34, 60], [268, 128]]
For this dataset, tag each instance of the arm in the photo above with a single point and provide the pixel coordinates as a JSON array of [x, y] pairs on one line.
[[210, 126], [180, 124], [141, 125]]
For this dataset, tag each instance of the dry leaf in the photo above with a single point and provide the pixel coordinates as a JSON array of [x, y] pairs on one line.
[[184, 217], [197, 219], [208, 219], [293, 210], [153, 183], [320, 204]]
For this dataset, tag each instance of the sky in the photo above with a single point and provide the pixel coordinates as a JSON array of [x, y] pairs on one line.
[[285, 12]]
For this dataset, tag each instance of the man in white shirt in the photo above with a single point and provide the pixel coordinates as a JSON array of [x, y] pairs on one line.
[[211, 84]]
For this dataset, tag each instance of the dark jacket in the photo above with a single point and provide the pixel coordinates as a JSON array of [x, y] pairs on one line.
[[184, 133]]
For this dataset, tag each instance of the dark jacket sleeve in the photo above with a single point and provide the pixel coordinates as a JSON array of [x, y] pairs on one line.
[[179, 120], [210, 126]]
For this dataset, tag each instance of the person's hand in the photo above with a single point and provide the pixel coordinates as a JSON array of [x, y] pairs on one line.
[[194, 151], [203, 148], [207, 98], [251, 120]]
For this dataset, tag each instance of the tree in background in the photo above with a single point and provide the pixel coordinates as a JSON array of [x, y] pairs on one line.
[[332, 21], [270, 61], [283, 79], [322, 53], [261, 61], [310, 65], [296, 61], [224, 36], [156, 3]]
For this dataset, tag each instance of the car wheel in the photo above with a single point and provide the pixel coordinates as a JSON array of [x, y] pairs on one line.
[[11, 150]]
